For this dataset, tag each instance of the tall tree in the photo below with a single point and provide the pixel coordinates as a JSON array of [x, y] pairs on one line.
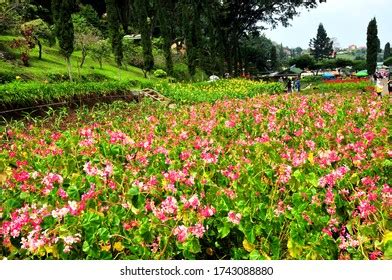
[[115, 31], [387, 51], [141, 8], [191, 13], [64, 29], [373, 46], [165, 7], [274, 58], [321, 46]]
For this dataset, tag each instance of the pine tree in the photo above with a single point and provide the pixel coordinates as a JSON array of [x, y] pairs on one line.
[[145, 32], [321, 46], [115, 32], [387, 51], [192, 30], [373, 47], [164, 8], [62, 11]]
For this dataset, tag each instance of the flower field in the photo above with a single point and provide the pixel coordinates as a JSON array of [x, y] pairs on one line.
[[268, 177]]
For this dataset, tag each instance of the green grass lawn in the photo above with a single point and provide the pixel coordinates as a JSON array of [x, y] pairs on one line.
[[53, 63]]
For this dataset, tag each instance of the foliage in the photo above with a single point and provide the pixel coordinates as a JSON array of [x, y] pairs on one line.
[[115, 31], [388, 61], [373, 46], [159, 73], [359, 65], [270, 177], [9, 18], [100, 50], [39, 31], [86, 35], [256, 51], [210, 92], [387, 51], [62, 11], [18, 95], [321, 46], [303, 62]]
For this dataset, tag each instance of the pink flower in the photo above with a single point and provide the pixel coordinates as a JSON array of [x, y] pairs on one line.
[[21, 176], [181, 232], [108, 171], [197, 230], [91, 170], [62, 193], [209, 157], [185, 155], [366, 209], [284, 174], [375, 255], [207, 211], [234, 217], [169, 205]]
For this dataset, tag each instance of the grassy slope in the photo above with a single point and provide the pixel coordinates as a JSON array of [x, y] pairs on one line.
[[53, 63]]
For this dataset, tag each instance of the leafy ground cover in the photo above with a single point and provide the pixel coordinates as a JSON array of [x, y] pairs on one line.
[[213, 91], [18, 95], [269, 177]]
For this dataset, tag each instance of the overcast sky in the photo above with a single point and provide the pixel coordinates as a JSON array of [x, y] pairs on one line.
[[346, 20]]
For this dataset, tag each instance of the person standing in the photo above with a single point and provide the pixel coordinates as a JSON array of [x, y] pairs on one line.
[[289, 86], [297, 85]]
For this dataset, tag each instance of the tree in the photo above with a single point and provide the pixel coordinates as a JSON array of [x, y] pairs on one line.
[[99, 51], [321, 46], [39, 30], [387, 51], [145, 31], [165, 7], [115, 32], [388, 61], [62, 11], [85, 35], [373, 47], [274, 58], [304, 62]]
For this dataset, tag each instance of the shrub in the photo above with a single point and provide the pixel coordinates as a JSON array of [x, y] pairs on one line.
[[160, 73]]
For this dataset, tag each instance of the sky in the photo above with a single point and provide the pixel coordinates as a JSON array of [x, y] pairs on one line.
[[345, 20]]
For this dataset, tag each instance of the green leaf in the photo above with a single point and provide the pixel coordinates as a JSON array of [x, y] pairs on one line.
[[224, 231], [133, 191], [255, 255], [312, 179], [86, 247], [194, 246]]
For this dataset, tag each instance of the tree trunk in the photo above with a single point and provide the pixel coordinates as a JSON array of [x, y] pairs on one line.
[[84, 54], [40, 49], [100, 63], [69, 68]]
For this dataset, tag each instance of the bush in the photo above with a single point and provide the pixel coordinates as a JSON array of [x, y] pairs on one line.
[[388, 61], [160, 73]]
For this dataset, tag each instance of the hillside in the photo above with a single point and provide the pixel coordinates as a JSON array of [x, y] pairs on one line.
[[52, 66]]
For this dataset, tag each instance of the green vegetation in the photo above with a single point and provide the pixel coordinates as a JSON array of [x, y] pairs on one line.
[[373, 46], [52, 67], [213, 91], [18, 95], [321, 46]]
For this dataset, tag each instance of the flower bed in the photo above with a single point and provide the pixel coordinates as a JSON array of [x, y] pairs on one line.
[[271, 177]]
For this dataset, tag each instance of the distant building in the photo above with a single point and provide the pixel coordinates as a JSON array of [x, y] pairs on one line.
[[352, 48]]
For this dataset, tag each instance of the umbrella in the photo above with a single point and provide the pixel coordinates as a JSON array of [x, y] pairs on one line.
[[363, 73], [328, 75]]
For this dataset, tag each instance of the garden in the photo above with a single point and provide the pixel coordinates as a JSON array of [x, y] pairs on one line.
[[232, 171]]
